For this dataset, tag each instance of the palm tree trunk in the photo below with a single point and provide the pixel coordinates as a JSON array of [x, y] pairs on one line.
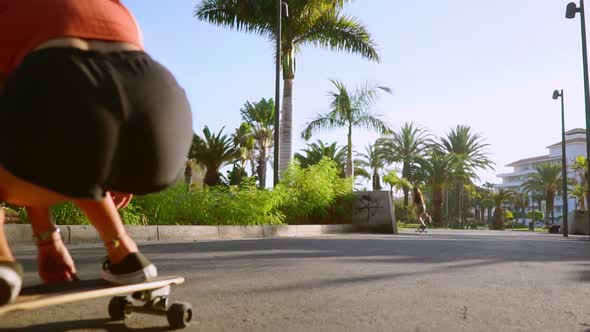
[[376, 181], [406, 195], [188, 176], [286, 130], [252, 165], [461, 222], [262, 167], [437, 205], [211, 177], [406, 174], [349, 166], [498, 218]]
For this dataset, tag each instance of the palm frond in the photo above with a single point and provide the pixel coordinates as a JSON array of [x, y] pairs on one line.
[[340, 32], [244, 15], [321, 122]]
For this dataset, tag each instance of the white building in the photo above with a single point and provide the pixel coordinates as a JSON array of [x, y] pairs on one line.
[[575, 145]]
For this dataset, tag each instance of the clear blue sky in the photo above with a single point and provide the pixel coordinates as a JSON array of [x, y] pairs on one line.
[[492, 65]]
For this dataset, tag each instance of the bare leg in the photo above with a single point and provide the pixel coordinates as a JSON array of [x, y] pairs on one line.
[[5, 253], [16, 191], [105, 218]]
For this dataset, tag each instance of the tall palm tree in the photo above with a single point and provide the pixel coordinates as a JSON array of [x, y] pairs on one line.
[[349, 110], [436, 169], [469, 148], [405, 146], [372, 160], [213, 151], [499, 198], [260, 117], [548, 180], [317, 151], [320, 23]]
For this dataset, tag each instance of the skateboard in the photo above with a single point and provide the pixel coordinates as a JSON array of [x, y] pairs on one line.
[[150, 297], [421, 229]]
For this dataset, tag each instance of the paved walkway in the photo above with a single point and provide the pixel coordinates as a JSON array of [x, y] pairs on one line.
[[441, 281]]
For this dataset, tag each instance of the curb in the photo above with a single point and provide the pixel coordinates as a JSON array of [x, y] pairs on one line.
[[22, 233]]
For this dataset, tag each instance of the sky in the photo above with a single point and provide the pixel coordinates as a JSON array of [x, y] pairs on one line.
[[488, 64]]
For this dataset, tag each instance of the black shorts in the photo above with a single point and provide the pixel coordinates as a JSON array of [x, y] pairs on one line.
[[83, 122]]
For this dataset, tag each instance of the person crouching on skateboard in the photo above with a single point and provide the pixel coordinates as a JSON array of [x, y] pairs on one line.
[[420, 209], [84, 112]]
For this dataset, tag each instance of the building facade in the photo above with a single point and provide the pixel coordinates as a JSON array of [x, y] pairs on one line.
[[575, 145]]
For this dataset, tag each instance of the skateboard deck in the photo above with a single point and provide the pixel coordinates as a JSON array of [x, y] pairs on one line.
[[149, 297]]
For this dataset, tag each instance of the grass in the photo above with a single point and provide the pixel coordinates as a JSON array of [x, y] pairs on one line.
[[407, 225], [526, 229]]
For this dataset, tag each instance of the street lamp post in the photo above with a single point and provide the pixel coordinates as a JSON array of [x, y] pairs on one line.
[[564, 210], [570, 12]]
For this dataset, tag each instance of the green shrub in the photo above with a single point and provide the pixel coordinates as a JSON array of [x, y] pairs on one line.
[[316, 194], [173, 206], [538, 215], [70, 214], [514, 224], [508, 215], [221, 205], [403, 214], [311, 193]]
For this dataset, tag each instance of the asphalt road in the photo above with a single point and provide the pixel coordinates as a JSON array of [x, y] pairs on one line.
[[440, 281]]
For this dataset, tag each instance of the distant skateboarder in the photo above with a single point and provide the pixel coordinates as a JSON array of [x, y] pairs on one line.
[[420, 210]]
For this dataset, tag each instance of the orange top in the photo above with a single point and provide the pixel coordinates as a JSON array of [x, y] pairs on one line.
[[25, 24]]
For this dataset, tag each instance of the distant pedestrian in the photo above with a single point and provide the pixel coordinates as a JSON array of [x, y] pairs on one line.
[[420, 209]]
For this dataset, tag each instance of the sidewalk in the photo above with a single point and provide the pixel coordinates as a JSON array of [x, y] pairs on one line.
[[22, 234]]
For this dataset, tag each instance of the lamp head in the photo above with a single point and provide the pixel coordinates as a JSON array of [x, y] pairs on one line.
[[571, 10], [285, 9], [556, 94]]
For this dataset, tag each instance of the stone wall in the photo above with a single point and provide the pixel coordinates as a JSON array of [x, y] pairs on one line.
[[373, 211]]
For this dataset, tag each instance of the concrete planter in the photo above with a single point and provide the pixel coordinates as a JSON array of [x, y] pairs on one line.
[[578, 222]]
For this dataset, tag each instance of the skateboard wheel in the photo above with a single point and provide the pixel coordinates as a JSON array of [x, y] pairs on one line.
[[117, 308], [179, 314]]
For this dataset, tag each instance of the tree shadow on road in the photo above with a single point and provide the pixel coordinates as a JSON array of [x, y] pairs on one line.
[[94, 324]]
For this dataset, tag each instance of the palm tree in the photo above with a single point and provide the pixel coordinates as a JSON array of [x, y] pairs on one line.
[[520, 202], [405, 146], [317, 151], [260, 117], [581, 168], [372, 159], [395, 181], [578, 192], [499, 198], [435, 171], [320, 23], [213, 152], [487, 190], [468, 147], [349, 110], [548, 180], [244, 144]]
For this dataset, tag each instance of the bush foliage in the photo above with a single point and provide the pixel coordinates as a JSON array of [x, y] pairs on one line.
[[315, 194]]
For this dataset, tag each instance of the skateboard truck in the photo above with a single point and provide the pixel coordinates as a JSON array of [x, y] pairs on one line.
[[153, 302]]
